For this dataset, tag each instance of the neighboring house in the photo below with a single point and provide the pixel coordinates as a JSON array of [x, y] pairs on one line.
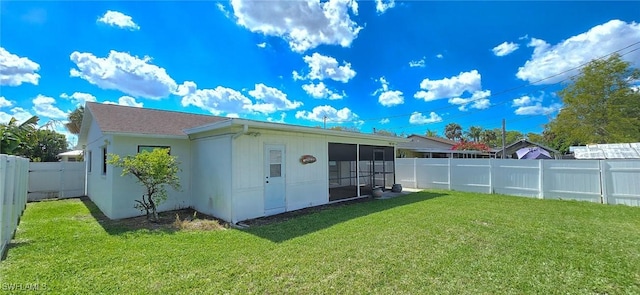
[[510, 150], [234, 169], [434, 147], [71, 156]]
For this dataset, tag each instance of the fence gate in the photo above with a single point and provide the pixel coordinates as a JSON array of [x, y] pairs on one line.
[[56, 180]]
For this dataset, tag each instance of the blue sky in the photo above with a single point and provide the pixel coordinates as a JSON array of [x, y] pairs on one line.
[[403, 66]]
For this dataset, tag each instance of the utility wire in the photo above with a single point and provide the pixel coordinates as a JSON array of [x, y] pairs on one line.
[[504, 91]]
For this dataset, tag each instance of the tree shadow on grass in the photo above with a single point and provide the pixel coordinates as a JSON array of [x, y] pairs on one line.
[[289, 225], [169, 223]]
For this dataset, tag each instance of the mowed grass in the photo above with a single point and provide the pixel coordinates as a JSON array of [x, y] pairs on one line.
[[435, 242]]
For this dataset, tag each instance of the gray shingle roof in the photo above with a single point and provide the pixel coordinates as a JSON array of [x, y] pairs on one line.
[[124, 119]]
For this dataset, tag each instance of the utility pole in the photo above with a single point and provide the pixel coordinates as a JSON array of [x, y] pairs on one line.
[[325, 121], [504, 138]]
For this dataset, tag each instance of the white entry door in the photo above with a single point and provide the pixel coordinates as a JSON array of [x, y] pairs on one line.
[[274, 179]]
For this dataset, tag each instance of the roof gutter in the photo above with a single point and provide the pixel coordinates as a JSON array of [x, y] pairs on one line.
[[245, 130]]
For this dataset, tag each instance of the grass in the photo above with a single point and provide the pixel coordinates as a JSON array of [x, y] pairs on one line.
[[436, 242]]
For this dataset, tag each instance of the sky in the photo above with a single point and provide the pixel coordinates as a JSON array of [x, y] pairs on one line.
[[401, 66]]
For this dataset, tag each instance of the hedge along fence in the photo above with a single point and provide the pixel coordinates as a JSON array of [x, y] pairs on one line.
[[14, 178], [599, 181]]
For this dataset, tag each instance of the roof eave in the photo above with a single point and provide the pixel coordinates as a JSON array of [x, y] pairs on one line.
[[146, 135], [290, 128]]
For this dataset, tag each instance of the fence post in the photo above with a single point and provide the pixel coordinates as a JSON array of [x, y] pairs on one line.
[[415, 174], [61, 191], [540, 179], [491, 176], [3, 202], [604, 198], [449, 173]]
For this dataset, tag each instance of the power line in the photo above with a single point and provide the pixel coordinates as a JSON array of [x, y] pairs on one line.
[[504, 91]]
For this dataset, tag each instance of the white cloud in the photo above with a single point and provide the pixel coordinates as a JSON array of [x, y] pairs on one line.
[[223, 9], [126, 101], [262, 45], [304, 24], [321, 90], [384, 121], [118, 19], [271, 100], [121, 71], [326, 67], [525, 101], [79, 98], [218, 101], [418, 118], [478, 101], [388, 98], [44, 106], [222, 100], [332, 115], [548, 60], [4, 103], [449, 87], [280, 120], [391, 98], [538, 109], [15, 70], [417, 63], [439, 55], [383, 5], [20, 114], [505, 48], [528, 105]]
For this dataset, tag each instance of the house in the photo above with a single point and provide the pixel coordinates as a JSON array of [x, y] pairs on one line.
[[420, 146], [231, 168], [510, 150], [71, 156]]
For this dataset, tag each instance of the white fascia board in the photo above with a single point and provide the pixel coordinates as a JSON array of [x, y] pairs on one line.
[[290, 128]]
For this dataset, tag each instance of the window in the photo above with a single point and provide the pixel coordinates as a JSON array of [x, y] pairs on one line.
[[150, 148], [89, 162], [104, 160], [275, 163]]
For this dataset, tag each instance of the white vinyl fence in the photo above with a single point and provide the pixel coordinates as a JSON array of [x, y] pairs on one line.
[[56, 180], [14, 174], [600, 181]]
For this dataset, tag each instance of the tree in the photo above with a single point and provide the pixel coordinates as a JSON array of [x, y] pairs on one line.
[[44, 145], [13, 136], [431, 133], [600, 105], [470, 146], [75, 120], [386, 133], [474, 133], [490, 137], [154, 170], [453, 131], [345, 128]]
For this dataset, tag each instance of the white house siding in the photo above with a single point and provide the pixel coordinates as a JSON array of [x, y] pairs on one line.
[[211, 176], [126, 189], [99, 186], [306, 185]]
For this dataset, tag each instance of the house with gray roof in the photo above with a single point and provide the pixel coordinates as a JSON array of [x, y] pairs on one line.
[[231, 168]]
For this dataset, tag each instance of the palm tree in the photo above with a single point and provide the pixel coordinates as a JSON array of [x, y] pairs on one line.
[[474, 133], [431, 133], [453, 131], [75, 120], [13, 135]]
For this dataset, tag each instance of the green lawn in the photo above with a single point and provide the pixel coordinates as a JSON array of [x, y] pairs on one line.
[[436, 242]]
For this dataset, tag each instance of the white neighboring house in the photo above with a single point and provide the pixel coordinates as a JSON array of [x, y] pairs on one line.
[[71, 156], [234, 169]]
